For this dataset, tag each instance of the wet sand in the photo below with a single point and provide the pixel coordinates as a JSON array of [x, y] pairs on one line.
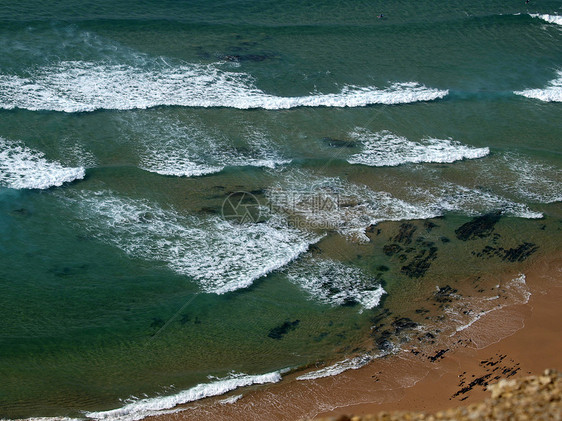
[[511, 342], [529, 350]]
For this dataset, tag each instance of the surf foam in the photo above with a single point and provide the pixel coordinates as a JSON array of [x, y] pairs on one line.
[[452, 197], [534, 180], [167, 146], [25, 168], [548, 18], [219, 256], [384, 148], [334, 283], [338, 368], [152, 406], [552, 93], [78, 86], [329, 203]]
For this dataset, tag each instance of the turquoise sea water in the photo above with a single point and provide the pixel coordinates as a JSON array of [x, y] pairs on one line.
[[126, 127]]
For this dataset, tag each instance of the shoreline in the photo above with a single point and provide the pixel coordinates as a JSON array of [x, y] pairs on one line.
[[529, 350], [454, 376]]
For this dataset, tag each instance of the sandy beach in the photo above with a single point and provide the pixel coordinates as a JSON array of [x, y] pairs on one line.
[[511, 342]]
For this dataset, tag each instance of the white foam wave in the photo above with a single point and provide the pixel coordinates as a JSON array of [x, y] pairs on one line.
[[450, 197], [25, 168], [548, 18], [152, 406], [169, 147], [552, 93], [220, 256], [338, 368], [78, 86], [387, 149], [230, 400], [535, 181], [329, 203], [333, 204], [334, 283]]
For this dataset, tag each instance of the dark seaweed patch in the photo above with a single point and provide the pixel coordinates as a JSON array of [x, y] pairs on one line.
[[279, 331], [517, 254], [420, 264], [438, 355], [479, 227], [405, 233], [391, 249], [157, 323]]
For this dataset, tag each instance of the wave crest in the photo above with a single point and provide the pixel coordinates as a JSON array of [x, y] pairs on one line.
[[387, 149], [25, 168], [78, 86]]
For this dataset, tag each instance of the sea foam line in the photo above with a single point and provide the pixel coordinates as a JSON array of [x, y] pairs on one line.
[[78, 86], [25, 168], [152, 406], [338, 368], [552, 93], [384, 148], [548, 18]]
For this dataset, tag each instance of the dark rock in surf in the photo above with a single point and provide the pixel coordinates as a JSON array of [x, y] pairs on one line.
[[443, 295], [403, 323]]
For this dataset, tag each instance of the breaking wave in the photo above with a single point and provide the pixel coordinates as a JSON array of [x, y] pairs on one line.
[[154, 406], [25, 168], [221, 257], [552, 93], [387, 149], [78, 86]]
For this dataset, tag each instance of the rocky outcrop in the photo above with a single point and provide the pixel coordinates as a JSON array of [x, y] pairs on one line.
[[527, 398]]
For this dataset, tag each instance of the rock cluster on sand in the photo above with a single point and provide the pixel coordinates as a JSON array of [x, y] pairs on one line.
[[528, 398]]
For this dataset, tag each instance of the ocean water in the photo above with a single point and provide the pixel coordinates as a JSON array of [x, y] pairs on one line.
[[200, 196]]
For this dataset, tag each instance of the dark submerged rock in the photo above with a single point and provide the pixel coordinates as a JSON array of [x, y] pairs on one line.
[[403, 323], [479, 227], [520, 253], [405, 233], [420, 264], [444, 294], [338, 143], [438, 355], [391, 249], [279, 331]]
